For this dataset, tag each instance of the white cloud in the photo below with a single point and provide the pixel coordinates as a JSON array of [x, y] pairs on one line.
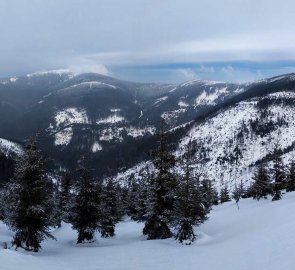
[[187, 74], [84, 66], [206, 69], [228, 69]]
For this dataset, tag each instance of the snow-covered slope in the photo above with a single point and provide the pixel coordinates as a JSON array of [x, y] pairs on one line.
[[258, 236], [185, 101], [231, 142], [9, 148]]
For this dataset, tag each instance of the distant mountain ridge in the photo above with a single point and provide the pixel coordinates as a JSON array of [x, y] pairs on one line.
[[115, 122]]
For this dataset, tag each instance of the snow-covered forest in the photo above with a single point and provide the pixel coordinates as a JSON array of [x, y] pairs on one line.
[[167, 211], [147, 135]]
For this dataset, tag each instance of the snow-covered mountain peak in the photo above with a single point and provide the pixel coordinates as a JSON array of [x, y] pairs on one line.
[[55, 71]]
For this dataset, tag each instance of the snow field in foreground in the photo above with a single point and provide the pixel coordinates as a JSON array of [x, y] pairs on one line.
[[258, 236]]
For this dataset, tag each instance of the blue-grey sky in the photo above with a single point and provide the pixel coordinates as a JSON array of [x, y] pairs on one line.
[[149, 40]]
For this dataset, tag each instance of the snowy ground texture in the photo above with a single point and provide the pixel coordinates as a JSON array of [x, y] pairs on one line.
[[258, 236]]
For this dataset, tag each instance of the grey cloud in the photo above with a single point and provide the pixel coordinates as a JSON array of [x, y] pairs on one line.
[[38, 34]]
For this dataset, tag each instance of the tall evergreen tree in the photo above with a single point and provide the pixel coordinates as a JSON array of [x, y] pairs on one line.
[[261, 186], [161, 198], [239, 192], [55, 219], [124, 200], [139, 193], [85, 215], [142, 199], [291, 178], [209, 194], [29, 200], [121, 203], [4, 203], [215, 196], [278, 175], [191, 205], [224, 194], [109, 209], [65, 197], [133, 197]]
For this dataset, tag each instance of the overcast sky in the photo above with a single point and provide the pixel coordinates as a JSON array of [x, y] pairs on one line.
[[149, 40]]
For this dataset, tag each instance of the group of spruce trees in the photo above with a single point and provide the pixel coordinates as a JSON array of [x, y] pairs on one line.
[[274, 180], [168, 203], [171, 203], [31, 203]]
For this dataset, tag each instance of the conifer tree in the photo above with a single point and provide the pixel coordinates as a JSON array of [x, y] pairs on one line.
[[224, 194], [291, 178], [209, 194], [243, 190], [121, 202], [215, 196], [85, 215], [133, 198], [29, 195], [261, 186], [161, 198], [278, 175], [109, 209], [55, 218], [65, 197], [142, 201], [125, 199], [4, 199], [238, 192], [191, 206], [139, 193]]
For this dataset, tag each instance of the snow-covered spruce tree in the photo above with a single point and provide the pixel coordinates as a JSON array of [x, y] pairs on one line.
[[243, 190], [290, 186], [236, 194], [85, 214], [261, 186], [239, 192], [3, 203], [29, 200], [142, 199], [161, 197], [109, 209], [224, 194], [139, 193], [278, 175], [133, 191], [190, 208], [209, 194], [215, 196], [122, 204], [124, 200], [55, 218], [65, 197]]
